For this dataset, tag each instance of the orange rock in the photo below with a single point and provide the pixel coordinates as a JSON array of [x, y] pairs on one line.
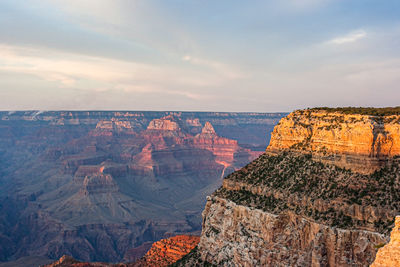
[[389, 255], [349, 140], [165, 124], [168, 251]]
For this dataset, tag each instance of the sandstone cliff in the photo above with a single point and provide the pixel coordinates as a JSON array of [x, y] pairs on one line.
[[360, 142], [324, 194], [389, 255]]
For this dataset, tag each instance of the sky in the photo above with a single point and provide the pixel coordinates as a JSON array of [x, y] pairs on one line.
[[198, 55]]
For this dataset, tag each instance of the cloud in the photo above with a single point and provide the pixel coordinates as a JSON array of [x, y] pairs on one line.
[[91, 73], [349, 38]]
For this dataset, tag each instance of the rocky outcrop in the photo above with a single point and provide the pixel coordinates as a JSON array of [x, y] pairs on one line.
[[168, 251], [208, 129], [167, 123], [296, 205], [99, 183], [113, 126], [389, 255], [362, 143], [243, 236], [226, 151]]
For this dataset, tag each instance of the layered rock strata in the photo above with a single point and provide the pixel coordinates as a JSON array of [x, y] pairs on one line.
[[307, 201], [168, 251], [360, 142]]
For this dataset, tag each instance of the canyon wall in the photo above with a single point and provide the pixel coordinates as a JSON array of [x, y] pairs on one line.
[[325, 193], [360, 142], [389, 255]]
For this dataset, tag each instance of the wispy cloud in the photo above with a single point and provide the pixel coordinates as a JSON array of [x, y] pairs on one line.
[[349, 38], [76, 71], [205, 55]]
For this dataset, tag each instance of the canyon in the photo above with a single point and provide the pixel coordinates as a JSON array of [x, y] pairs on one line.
[[102, 186], [324, 193]]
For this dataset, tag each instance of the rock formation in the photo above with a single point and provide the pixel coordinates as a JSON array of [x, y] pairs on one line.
[[389, 255], [360, 142], [97, 185], [113, 126], [296, 205], [168, 123], [168, 251]]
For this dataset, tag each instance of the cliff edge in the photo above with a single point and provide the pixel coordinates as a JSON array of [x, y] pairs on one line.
[[389, 255], [360, 141], [324, 194]]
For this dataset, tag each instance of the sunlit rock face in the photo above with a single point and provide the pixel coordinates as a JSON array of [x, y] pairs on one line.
[[296, 205], [97, 185], [389, 255], [360, 142], [168, 123], [167, 251]]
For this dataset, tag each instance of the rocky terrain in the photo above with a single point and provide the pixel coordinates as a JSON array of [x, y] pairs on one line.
[[102, 186], [325, 193], [168, 251], [389, 255]]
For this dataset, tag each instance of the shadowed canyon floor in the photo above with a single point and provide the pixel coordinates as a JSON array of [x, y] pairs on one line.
[[161, 254], [98, 185]]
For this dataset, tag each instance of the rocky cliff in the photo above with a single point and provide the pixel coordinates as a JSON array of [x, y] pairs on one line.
[[307, 201], [358, 141], [389, 255]]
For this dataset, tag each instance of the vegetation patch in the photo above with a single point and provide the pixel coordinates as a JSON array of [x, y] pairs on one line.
[[362, 110], [289, 180]]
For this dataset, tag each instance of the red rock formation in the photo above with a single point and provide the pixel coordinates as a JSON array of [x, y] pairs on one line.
[[168, 251], [225, 150], [110, 127], [167, 123]]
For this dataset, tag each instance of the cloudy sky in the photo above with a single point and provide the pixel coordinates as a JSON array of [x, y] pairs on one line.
[[208, 55]]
